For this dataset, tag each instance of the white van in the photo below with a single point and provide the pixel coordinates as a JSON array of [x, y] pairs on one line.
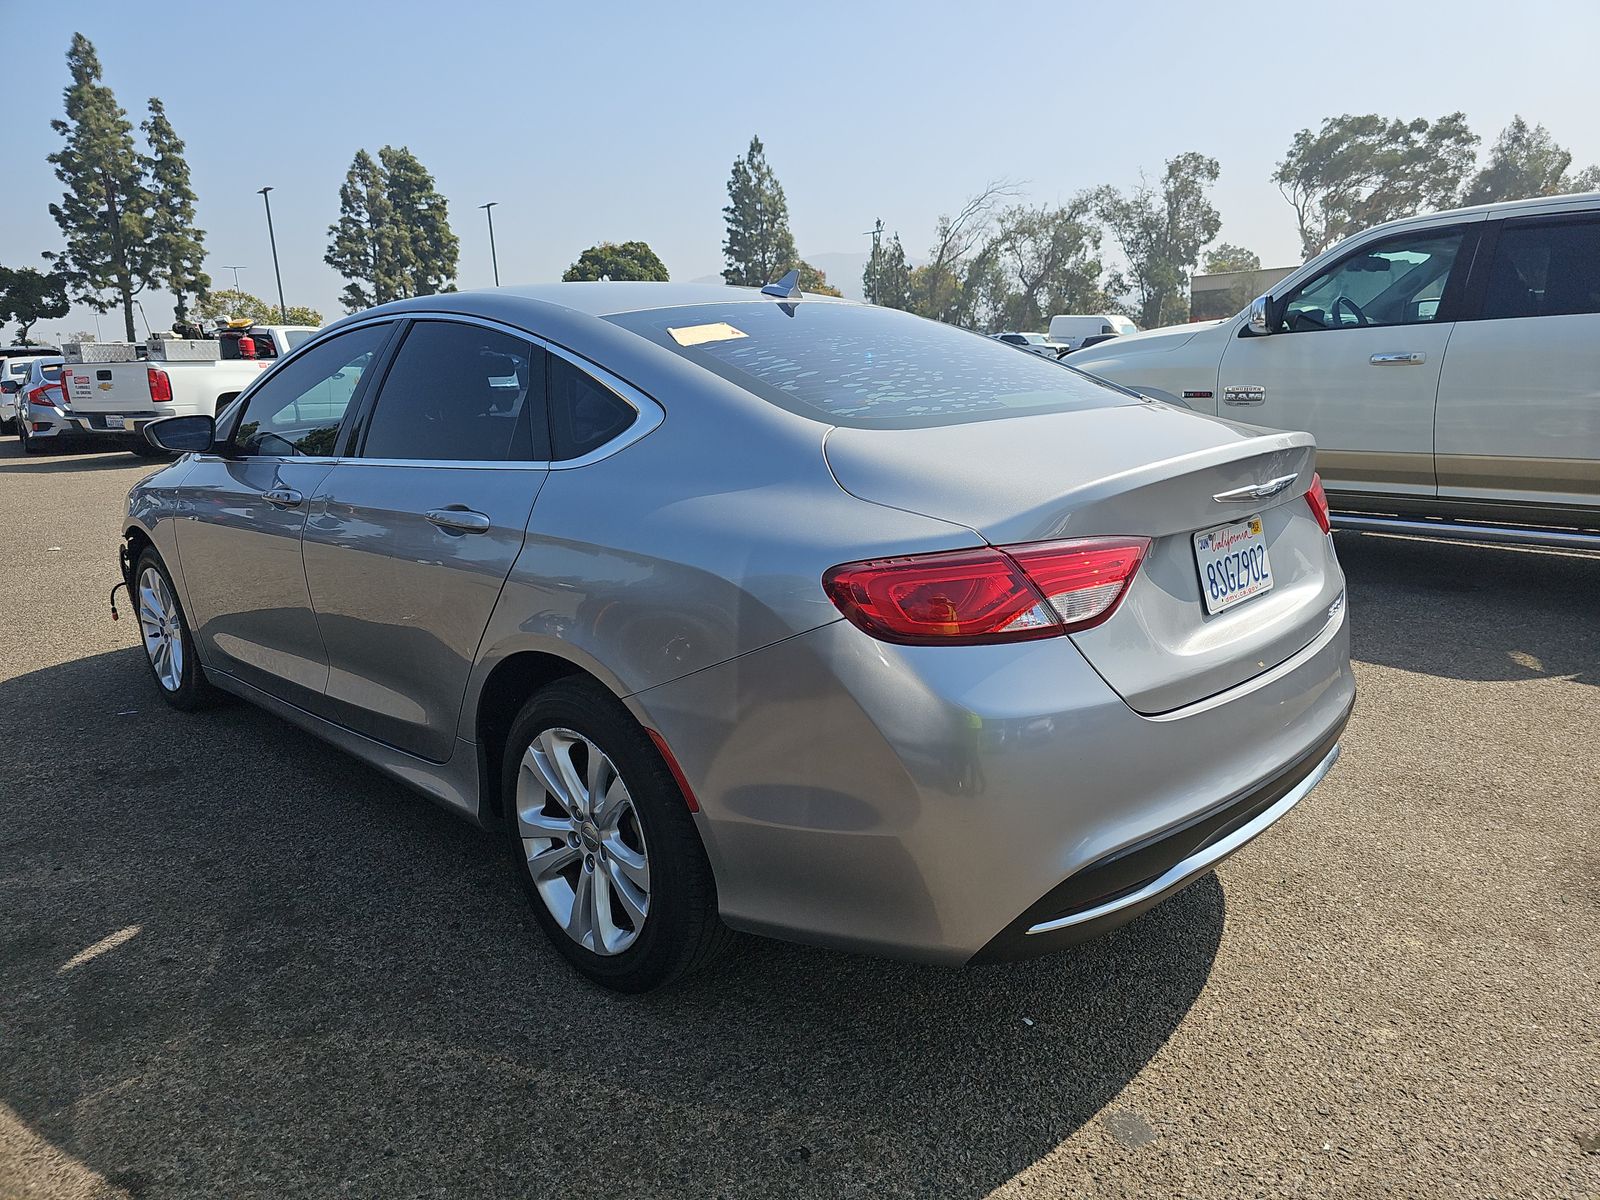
[[1073, 328]]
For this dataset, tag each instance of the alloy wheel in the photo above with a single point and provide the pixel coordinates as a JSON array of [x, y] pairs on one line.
[[162, 627], [583, 842]]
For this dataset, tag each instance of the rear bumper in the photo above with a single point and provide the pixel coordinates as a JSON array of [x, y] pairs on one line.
[[95, 424], [927, 802], [1114, 891]]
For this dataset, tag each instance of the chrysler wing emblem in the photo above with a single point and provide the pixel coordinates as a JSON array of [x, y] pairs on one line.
[[1257, 491]]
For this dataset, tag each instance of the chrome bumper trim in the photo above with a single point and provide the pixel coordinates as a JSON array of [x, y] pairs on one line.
[[1200, 862], [1495, 534]]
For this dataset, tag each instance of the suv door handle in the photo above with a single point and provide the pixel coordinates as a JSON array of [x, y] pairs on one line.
[[1398, 360], [459, 520], [283, 498]]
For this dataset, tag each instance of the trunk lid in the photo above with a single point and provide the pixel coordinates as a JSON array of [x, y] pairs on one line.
[[1142, 469]]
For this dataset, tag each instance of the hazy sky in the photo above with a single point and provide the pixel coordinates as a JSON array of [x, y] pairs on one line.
[[591, 121]]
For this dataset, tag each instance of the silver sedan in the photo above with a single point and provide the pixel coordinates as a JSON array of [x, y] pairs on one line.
[[760, 612]]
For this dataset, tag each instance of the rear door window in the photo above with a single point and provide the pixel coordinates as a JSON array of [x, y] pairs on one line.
[[459, 392], [1544, 269]]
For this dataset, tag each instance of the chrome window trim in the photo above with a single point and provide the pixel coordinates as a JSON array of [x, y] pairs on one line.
[[648, 414]]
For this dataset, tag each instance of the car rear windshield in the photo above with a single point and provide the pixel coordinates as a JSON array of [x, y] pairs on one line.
[[873, 368]]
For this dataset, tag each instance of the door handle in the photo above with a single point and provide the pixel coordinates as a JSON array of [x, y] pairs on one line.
[[1398, 360], [283, 497], [459, 520]]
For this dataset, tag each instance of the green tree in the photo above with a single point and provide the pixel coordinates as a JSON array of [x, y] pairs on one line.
[[364, 246], [1525, 162], [105, 212], [938, 287], [611, 260], [1046, 261], [232, 304], [886, 279], [178, 244], [1227, 257], [424, 243], [1161, 231], [759, 247], [27, 296], [1358, 171], [815, 281]]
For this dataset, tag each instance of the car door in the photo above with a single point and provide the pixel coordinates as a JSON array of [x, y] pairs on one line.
[[411, 538], [1519, 397], [244, 510], [1353, 358]]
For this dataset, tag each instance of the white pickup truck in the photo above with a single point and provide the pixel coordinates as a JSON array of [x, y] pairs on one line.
[[112, 392]]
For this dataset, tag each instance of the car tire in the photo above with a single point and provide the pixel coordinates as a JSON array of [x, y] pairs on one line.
[[30, 444], [164, 633], [581, 861]]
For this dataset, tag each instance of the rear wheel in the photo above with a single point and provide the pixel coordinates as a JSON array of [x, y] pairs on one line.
[[144, 449], [168, 644], [30, 444], [605, 846]]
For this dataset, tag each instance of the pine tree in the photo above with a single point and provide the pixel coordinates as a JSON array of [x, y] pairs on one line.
[[759, 247], [362, 244], [424, 241], [105, 214], [179, 246]]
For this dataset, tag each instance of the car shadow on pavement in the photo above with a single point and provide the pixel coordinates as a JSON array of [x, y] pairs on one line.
[[74, 457], [1472, 612], [234, 961]]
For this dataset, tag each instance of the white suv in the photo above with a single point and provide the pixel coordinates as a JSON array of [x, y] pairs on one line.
[[1448, 366]]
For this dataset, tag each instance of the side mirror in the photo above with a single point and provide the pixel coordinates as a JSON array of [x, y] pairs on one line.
[[10, 387], [1260, 320], [182, 435]]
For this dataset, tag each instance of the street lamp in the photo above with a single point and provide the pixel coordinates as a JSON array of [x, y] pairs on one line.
[[283, 310], [235, 271], [488, 211]]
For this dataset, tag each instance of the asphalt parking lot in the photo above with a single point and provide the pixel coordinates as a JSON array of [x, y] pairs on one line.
[[233, 962]]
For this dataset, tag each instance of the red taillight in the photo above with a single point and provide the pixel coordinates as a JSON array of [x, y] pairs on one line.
[[987, 595], [40, 394], [1318, 500], [160, 386]]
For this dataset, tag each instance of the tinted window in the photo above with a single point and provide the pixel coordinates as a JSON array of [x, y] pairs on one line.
[[584, 414], [1396, 282], [872, 367], [50, 370], [298, 409], [1545, 270], [458, 392]]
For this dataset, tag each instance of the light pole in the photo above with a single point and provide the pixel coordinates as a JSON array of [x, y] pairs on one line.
[[235, 271], [488, 211], [283, 310]]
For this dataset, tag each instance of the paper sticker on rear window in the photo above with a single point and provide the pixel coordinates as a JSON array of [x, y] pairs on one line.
[[699, 335]]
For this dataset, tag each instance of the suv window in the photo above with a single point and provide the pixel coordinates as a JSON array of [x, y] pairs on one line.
[[1400, 281], [299, 408], [1545, 270], [584, 414], [459, 392]]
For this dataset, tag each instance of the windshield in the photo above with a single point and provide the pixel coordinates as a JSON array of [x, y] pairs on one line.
[[873, 368]]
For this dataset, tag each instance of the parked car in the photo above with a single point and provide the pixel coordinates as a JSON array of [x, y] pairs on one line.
[[15, 362], [42, 416], [1071, 329], [1033, 343], [788, 615], [1448, 366]]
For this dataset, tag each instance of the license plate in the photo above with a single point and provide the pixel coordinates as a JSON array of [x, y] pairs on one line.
[[1233, 563], [116, 423]]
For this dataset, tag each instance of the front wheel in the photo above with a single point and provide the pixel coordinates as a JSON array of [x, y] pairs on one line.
[[605, 845], [168, 644]]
